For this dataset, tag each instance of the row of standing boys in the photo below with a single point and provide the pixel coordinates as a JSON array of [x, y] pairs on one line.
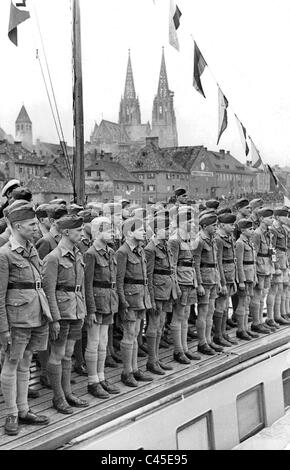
[[83, 283]]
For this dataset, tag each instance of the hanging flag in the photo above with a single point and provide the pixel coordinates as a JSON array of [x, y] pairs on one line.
[[257, 161], [199, 66], [275, 179], [223, 114], [16, 18], [243, 134], [174, 23]]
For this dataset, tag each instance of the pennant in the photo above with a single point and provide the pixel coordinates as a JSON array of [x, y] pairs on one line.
[[223, 114], [257, 161], [16, 18], [199, 66], [174, 23], [275, 179], [243, 134]]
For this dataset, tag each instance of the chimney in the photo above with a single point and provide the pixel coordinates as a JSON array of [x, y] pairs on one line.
[[222, 151]]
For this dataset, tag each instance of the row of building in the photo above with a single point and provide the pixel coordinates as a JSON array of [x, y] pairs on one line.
[[128, 159]]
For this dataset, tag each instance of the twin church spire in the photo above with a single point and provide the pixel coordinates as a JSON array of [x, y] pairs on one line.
[[163, 115]]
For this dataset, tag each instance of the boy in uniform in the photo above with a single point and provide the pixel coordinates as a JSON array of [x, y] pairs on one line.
[[63, 280]]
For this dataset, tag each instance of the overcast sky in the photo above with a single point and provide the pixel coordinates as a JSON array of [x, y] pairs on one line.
[[245, 42]]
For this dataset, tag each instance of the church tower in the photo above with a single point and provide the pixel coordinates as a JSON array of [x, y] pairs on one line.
[[163, 116], [23, 128], [130, 114]]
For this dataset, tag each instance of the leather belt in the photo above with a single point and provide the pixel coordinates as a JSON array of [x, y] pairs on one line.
[[248, 263], [69, 288], [229, 261], [208, 265], [163, 272], [104, 285], [142, 282], [25, 285], [264, 255], [281, 249], [188, 264]]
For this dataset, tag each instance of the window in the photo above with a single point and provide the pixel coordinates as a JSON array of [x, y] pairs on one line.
[[151, 188], [98, 174], [151, 176], [177, 177], [89, 173], [168, 176], [20, 170], [196, 434], [250, 410]]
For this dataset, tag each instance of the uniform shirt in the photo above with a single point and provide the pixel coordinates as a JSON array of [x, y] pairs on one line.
[[226, 257], [19, 307], [245, 254], [65, 267], [279, 241], [131, 264], [159, 257], [262, 244], [101, 266], [206, 254], [47, 244], [182, 251]]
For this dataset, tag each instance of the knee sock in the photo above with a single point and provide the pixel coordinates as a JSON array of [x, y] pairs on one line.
[[78, 353], [151, 345], [224, 322], [127, 354], [54, 372], [158, 339], [184, 331], [101, 364], [208, 330], [217, 320], [66, 376], [43, 357], [176, 336], [8, 386], [22, 391], [91, 358], [135, 356]]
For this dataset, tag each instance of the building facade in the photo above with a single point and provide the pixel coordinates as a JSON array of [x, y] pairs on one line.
[[23, 128]]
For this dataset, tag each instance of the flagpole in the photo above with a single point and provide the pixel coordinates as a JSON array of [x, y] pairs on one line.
[[79, 170]]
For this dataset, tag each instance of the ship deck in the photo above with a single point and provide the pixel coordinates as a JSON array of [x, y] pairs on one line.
[[62, 429]]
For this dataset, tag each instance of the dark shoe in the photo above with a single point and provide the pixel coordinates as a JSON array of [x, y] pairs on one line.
[[62, 406], [165, 366], [33, 419], [143, 347], [192, 333], [117, 358], [206, 349], [181, 358], [272, 324], [164, 344], [129, 380], [11, 425], [141, 376], [282, 321], [230, 340], [260, 329], [154, 368], [111, 363], [33, 393], [220, 341], [110, 388], [98, 391], [253, 335], [272, 329], [141, 353], [44, 381], [192, 356], [243, 335], [215, 347], [231, 323], [81, 370], [76, 402]]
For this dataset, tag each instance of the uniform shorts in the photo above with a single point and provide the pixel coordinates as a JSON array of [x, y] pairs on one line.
[[69, 330], [27, 339], [210, 294], [188, 296], [131, 315], [105, 319], [264, 282], [164, 305]]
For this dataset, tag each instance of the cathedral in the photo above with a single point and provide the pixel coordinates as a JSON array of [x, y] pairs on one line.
[[129, 132]]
